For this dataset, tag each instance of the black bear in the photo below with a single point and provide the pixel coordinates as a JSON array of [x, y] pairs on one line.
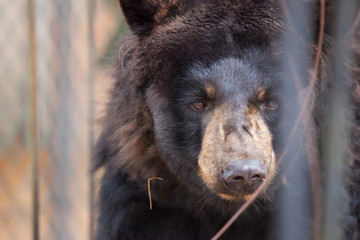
[[203, 105]]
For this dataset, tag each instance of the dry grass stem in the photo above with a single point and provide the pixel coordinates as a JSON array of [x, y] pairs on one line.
[[149, 191]]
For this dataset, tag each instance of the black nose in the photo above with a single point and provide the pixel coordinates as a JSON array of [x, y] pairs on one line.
[[244, 175]]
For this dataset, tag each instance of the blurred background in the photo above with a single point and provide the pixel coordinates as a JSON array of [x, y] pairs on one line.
[[55, 71], [55, 68]]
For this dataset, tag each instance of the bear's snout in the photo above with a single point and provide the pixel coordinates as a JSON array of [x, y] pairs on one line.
[[244, 175], [233, 161]]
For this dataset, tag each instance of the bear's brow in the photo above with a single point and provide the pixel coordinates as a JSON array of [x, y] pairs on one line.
[[261, 95], [210, 91]]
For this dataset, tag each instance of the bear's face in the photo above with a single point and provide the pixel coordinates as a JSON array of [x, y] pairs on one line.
[[213, 99], [218, 123]]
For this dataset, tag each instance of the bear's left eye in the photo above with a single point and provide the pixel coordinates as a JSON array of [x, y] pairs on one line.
[[198, 106], [272, 105]]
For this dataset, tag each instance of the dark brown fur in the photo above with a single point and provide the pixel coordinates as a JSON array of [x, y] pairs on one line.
[[147, 133]]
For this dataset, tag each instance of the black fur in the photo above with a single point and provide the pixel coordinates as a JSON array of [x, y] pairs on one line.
[[227, 55]]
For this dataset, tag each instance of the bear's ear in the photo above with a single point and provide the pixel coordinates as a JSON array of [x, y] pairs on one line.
[[143, 15]]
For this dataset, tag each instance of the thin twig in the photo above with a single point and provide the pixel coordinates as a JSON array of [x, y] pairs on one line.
[[149, 191], [33, 118], [314, 166], [302, 113], [239, 212]]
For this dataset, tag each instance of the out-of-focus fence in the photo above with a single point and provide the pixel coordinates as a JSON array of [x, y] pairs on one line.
[[49, 84]]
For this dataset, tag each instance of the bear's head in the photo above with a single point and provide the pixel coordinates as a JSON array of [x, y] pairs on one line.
[[210, 79], [200, 95]]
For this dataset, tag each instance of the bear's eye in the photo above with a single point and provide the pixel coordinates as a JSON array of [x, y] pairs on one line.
[[272, 105], [198, 106]]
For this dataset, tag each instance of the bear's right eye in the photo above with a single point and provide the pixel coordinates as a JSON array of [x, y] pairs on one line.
[[272, 105], [198, 106]]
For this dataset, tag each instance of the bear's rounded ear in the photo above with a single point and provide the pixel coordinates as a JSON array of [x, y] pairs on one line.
[[143, 15]]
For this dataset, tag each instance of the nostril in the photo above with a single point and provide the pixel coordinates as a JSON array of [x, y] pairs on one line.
[[238, 179], [258, 177]]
